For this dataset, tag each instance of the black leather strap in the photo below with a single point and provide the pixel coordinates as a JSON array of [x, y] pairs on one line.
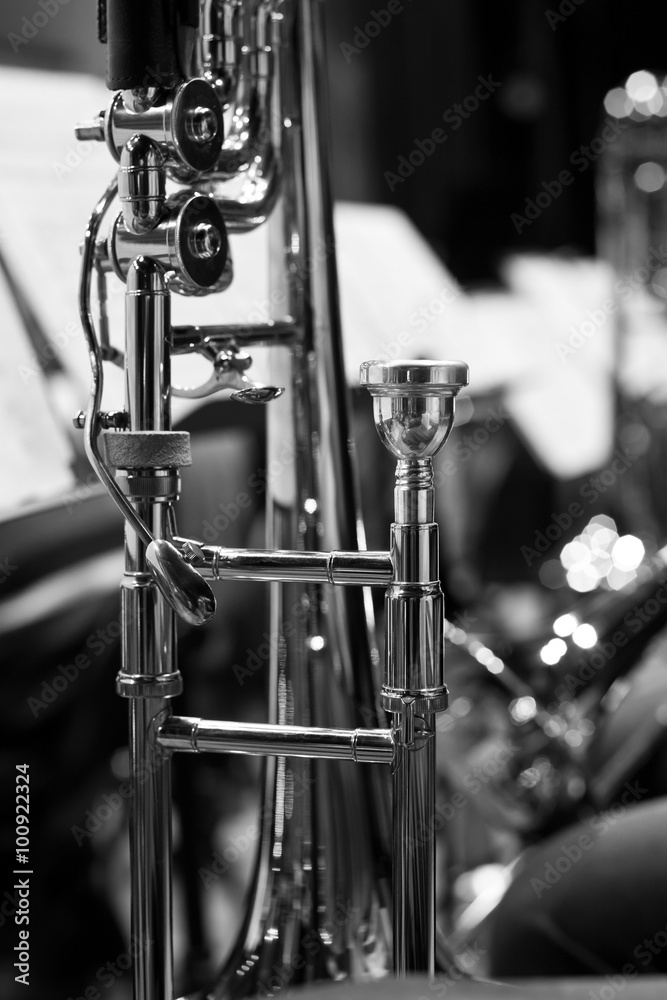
[[142, 44]]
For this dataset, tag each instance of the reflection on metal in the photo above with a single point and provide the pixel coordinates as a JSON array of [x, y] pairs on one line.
[[323, 899]]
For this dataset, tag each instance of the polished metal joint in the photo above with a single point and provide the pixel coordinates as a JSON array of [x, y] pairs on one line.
[[414, 554], [149, 685], [414, 495], [141, 184], [425, 702], [160, 486], [188, 241], [186, 124]]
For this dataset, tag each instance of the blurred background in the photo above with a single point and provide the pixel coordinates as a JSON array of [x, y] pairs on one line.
[[504, 166]]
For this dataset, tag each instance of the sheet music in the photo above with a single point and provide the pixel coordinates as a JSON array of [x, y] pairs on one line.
[[36, 453]]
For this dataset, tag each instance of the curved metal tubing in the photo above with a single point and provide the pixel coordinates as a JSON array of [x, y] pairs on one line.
[[97, 375]]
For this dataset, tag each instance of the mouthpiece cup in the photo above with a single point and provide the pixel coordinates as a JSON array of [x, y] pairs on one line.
[[413, 403]]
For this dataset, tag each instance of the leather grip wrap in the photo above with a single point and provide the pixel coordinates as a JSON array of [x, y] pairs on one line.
[[142, 44]]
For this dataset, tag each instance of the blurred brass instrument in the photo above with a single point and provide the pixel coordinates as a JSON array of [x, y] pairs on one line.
[[217, 125]]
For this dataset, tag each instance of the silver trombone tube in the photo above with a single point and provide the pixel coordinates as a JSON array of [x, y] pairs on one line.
[[198, 735], [413, 404], [353, 568], [148, 676], [196, 338], [413, 856]]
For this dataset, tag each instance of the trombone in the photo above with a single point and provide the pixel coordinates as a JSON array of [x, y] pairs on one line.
[[226, 132]]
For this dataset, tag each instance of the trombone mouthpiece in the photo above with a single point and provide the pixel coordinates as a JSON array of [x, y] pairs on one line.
[[413, 403], [180, 584]]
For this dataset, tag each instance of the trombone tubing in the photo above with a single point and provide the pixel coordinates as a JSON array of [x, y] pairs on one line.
[[353, 568], [195, 735]]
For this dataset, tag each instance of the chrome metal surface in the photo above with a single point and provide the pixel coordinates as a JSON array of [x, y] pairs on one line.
[[413, 862], [229, 369], [184, 588], [354, 568], [91, 424], [322, 894], [414, 498], [166, 487], [148, 646], [149, 685], [415, 644], [170, 243], [413, 405], [147, 362], [169, 124], [197, 735], [414, 550], [414, 376], [141, 184], [92, 131], [150, 853], [321, 889], [141, 99], [249, 83], [215, 338], [148, 386]]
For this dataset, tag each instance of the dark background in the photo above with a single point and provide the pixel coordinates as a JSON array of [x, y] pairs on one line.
[[555, 71], [554, 78]]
